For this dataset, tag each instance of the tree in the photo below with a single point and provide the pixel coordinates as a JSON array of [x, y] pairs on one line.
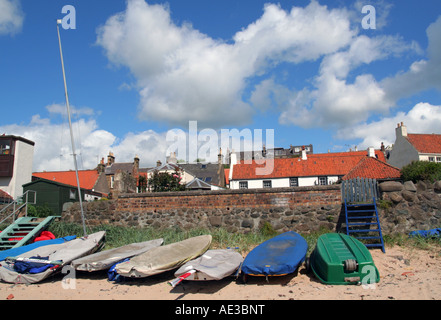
[[421, 170], [164, 181]]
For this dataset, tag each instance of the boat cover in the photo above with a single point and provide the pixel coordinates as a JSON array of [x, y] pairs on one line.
[[213, 264], [426, 233], [164, 258], [17, 251], [277, 256], [66, 252], [105, 259]]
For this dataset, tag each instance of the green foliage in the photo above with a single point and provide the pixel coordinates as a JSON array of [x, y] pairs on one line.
[[39, 211], [384, 204], [267, 230], [421, 170], [163, 181]]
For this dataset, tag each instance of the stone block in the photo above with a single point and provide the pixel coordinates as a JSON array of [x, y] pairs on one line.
[[409, 186], [390, 186]]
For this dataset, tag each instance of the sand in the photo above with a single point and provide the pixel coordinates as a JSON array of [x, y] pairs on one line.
[[405, 274]]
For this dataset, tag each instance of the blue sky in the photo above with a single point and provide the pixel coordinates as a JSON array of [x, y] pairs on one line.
[[137, 69]]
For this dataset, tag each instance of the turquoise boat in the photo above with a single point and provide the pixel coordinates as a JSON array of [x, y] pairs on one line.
[[342, 259]]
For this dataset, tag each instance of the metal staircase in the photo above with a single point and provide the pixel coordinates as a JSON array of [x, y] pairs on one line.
[[23, 229], [363, 223]]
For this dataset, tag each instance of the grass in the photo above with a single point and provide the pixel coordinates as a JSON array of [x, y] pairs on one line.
[[118, 236]]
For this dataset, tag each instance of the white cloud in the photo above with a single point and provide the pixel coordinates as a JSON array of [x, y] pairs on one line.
[[338, 102], [422, 118], [53, 149], [11, 17], [185, 75], [422, 74], [60, 109]]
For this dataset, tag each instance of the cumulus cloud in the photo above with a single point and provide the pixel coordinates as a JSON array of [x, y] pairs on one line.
[[183, 74], [53, 149], [11, 17], [422, 118], [338, 102]]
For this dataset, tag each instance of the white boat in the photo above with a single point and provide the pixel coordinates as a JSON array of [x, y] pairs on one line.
[[212, 265], [164, 258], [105, 259], [63, 253]]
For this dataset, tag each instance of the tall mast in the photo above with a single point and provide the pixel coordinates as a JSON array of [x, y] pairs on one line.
[[71, 132]]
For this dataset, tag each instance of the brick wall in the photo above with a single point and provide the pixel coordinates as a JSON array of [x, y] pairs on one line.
[[301, 209]]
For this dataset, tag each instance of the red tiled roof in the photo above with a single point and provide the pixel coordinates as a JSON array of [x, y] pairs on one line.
[[227, 176], [325, 164], [87, 178], [373, 168], [6, 196], [426, 143]]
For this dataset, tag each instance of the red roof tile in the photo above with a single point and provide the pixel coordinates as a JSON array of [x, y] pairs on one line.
[[373, 168], [87, 178], [5, 196], [426, 143], [326, 164], [227, 176]]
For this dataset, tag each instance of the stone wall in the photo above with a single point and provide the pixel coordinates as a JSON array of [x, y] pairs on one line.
[[402, 208], [301, 209], [406, 207]]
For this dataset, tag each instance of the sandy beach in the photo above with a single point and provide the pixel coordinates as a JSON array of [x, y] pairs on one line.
[[405, 274]]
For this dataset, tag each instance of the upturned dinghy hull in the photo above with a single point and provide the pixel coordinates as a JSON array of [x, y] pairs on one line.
[[342, 259], [278, 256], [105, 259], [164, 258], [65, 252], [212, 265]]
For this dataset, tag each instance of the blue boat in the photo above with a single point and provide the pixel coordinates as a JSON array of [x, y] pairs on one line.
[[20, 250], [278, 256]]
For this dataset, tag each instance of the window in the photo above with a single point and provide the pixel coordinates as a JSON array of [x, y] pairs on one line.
[[243, 184], [267, 183], [208, 179], [5, 147], [438, 159], [293, 182], [431, 159], [72, 194], [323, 181]]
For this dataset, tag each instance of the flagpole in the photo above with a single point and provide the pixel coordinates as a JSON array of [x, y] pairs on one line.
[[71, 132]]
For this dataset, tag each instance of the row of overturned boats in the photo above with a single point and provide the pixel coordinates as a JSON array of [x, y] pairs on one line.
[[336, 259]]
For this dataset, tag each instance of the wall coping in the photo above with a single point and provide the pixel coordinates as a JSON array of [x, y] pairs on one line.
[[229, 191]]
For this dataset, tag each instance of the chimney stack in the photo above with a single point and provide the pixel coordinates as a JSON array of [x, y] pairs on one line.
[[110, 158], [158, 163], [401, 130], [303, 153], [371, 152]]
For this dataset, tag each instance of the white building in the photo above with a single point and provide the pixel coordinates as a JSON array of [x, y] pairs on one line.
[[414, 147], [16, 157], [306, 170]]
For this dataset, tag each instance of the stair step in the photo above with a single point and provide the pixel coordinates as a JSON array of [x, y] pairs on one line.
[[365, 211], [361, 217], [368, 238], [364, 230], [362, 223]]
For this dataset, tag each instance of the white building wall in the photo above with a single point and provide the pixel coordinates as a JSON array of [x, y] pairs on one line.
[[22, 173], [282, 182]]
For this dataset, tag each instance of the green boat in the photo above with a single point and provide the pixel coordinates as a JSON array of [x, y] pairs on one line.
[[342, 259]]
